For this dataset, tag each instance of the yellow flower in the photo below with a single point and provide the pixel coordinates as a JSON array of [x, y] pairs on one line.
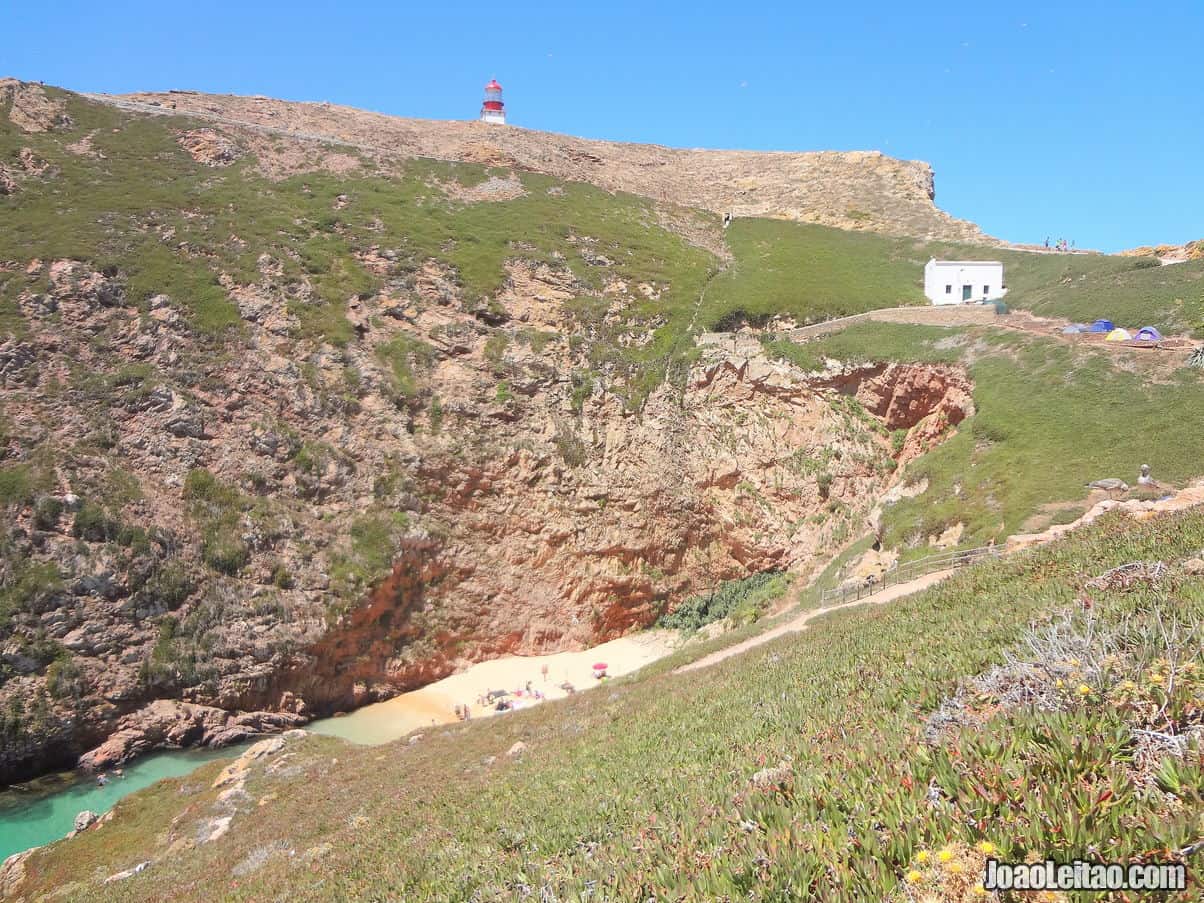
[[913, 877], [944, 855], [956, 867], [1084, 690], [1060, 683], [986, 847], [979, 890], [922, 857]]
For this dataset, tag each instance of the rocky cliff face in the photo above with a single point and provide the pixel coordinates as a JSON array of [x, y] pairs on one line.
[[312, 551], [212, 533], [849, 190]]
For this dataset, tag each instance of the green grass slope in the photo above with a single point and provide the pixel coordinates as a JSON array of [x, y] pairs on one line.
[[644, 789], [815, 273]]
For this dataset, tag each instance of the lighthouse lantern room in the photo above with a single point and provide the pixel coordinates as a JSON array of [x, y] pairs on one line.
[[492, 109]]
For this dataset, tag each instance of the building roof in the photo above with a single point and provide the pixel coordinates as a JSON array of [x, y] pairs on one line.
[[981, 263]]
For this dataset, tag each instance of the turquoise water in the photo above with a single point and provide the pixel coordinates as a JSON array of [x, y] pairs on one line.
[[32, 817]]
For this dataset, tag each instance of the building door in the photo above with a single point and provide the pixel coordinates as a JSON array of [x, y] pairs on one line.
[[967, 291]]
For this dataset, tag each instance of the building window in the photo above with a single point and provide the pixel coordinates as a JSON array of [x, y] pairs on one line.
[[986, 290], [948, 289]]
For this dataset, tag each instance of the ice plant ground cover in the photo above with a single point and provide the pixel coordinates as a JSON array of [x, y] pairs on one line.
[[1010, 711]]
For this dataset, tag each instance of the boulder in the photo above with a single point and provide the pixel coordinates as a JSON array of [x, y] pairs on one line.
[[85, 820]]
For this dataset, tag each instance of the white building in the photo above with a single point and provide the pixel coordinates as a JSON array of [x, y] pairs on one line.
[[962, 281]]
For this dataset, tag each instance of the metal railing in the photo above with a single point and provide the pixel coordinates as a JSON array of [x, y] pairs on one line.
[[902, 573]]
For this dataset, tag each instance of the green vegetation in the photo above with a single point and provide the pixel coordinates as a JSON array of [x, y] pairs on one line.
[[28, 585], [1050, 418], [373, 546], [870, 342], [811, 273], [402, 355], [743, 601], [1121, 290], [16, 485], [647, 790], [218, 509]]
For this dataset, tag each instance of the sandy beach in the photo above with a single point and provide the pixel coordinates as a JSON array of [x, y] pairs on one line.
[[435, 703]]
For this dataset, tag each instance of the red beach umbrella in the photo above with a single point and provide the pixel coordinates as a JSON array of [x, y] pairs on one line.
[[600, 666]]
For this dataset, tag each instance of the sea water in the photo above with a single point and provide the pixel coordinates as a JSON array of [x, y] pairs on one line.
[[31, 816]]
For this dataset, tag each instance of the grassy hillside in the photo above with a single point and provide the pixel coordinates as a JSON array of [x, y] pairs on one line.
[[1050, 418], [811, 272], [132, 203], [647, 789], [1169, 297], [815, 273]]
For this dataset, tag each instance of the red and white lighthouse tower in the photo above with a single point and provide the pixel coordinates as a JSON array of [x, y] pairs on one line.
[[492, 109]]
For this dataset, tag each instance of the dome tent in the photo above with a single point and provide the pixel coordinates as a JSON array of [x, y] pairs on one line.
[[1118, 335], [1147, 334], [1101, 326]]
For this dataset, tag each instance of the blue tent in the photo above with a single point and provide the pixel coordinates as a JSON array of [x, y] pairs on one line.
[[1101, 326], [1147, 334]]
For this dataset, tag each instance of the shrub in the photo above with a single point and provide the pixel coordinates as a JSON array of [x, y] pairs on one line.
[[897, 439], [224, 552], [46, 512], [824, 482], [170, 585], [29, 585], [202, 486], [93, 524], [743, 600], [282, 577], [64, 680], [569, 445], [583, 387]]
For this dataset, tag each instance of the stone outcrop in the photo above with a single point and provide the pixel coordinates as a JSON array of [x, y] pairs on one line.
[[209, 147], [170, 723], [30, 108], [1192, 250]]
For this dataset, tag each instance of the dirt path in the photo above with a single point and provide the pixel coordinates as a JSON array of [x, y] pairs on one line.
[[800, 622]]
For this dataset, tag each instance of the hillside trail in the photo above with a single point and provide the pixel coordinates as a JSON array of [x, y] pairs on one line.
[[1177, 500], [800, 622]]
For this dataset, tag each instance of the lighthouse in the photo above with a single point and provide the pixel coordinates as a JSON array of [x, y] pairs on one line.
[[492, 109]]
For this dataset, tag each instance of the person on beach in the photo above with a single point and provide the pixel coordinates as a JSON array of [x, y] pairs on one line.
[[544, 672]]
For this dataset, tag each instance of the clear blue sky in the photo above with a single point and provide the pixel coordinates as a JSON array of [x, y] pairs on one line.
[[1082, 120]]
